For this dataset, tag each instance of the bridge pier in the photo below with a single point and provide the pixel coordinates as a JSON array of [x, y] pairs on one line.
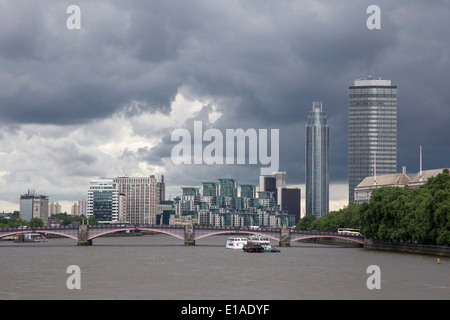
[[189, 235], [83, 235], [285, 239]]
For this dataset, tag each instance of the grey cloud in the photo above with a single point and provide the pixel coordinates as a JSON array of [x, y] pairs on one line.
[[19, 35], [261, 63]]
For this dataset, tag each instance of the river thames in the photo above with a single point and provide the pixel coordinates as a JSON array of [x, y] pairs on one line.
[[161, 267]]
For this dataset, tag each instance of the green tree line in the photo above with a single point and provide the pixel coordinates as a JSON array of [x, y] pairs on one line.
[[419, 215]]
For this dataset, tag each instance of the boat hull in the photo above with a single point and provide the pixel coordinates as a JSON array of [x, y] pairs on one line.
[[253, 248]]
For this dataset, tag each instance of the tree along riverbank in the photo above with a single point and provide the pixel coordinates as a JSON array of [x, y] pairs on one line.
[[403, 215]]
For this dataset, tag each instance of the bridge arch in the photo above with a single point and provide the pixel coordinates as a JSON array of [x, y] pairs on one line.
[[39, 231], [358, 240], [113, 230], [107, 231], [236, 232], [165, 232]]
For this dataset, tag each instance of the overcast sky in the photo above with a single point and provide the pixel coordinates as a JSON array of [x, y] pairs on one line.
[[103, 101]]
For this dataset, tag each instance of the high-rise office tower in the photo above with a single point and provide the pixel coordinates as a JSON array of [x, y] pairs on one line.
[[292, 202], [317, 162], [372, 130], [161, 190], [280, 182], [34, 206], [267, 183], [142, 194]]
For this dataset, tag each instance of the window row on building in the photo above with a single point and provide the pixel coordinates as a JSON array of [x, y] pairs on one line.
[[125, 199]]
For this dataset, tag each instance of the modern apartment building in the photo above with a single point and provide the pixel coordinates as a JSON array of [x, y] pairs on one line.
[[82, 207], [54, 208], [229, 204], [210, 189], [317, 173], [228, 187], [372, 130]]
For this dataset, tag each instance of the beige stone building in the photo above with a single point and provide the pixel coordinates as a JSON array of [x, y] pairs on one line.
[[182, 219], [364, 189]]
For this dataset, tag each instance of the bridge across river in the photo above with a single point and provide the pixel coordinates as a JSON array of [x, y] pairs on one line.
[[84, 234]]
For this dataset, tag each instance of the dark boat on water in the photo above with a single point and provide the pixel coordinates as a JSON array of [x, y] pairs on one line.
[[251, 247], [258, 243]]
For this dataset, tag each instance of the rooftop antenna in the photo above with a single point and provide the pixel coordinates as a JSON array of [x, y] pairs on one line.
[[421, 177]]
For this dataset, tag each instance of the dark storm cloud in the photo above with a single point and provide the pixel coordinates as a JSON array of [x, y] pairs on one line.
[[271, 56], [320, 58], [19, 32], [262, 64], [70, 105], [56, 76]]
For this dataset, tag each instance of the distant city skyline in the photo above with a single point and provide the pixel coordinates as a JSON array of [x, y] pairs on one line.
[[269, 203]]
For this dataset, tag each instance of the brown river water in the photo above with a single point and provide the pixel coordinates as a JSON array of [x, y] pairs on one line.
[[161, 267]]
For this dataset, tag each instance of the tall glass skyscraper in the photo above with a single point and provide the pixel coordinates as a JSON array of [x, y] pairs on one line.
[[372, 130], [317, 162]]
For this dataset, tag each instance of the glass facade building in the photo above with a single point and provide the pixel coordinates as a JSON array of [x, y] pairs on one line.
[[291, 202], [209, 189], [317, 162], [372, 130], [228, 187], [103, 200], [229, 204], [267, 183], [248, 191]]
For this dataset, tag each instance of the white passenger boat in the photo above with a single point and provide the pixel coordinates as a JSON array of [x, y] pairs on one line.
[[258, 239], [236, 242]]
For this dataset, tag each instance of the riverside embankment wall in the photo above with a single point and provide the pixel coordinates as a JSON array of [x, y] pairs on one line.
[[374, 244]]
